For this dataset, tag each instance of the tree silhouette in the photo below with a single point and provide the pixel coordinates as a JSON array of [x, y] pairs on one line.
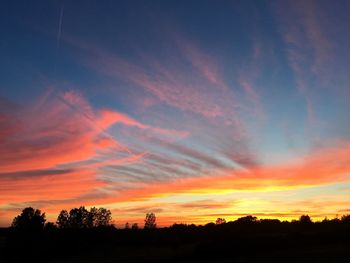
[[209, 225], [49, 226], [63, 219], [150, 221], [345, 218], [247, 219], [99, 217], [79, 217], [82, 218], [29, 219], [220, 221], [135, 226], [127, 225], [305, 219]]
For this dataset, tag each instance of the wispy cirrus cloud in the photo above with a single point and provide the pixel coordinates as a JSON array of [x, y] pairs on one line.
[[53, 138], [308, 49], [61, 129], [54, 148], [189, 84], [248, 75], [183, 170], [189, 81], [324, 167]]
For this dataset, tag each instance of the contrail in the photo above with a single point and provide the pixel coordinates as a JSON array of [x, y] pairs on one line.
[[59, 33], [60, 27]]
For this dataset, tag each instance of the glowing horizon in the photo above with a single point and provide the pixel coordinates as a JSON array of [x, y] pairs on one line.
[[189, 111]]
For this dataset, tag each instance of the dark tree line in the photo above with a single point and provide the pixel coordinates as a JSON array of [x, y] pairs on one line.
[[82, 218], [80, 233], [76, 218]]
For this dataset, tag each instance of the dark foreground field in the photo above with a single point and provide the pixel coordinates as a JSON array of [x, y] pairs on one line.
[[230, 242]]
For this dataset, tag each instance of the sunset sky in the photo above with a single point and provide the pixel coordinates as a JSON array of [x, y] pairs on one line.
[[192, 110]]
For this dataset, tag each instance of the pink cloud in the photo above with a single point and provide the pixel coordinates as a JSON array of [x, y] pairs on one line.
[[50, 186], [199, 90], [203, 63], [62, 131], [325, 166]]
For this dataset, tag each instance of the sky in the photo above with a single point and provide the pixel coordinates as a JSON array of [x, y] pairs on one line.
[[192, 110]]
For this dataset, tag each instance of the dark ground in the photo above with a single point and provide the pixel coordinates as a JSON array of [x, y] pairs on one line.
[[230, 242]]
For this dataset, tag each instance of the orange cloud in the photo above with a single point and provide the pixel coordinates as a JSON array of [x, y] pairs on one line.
[[53, 149], [60, 130], [107, 118], [325, 166], [52, 185]]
